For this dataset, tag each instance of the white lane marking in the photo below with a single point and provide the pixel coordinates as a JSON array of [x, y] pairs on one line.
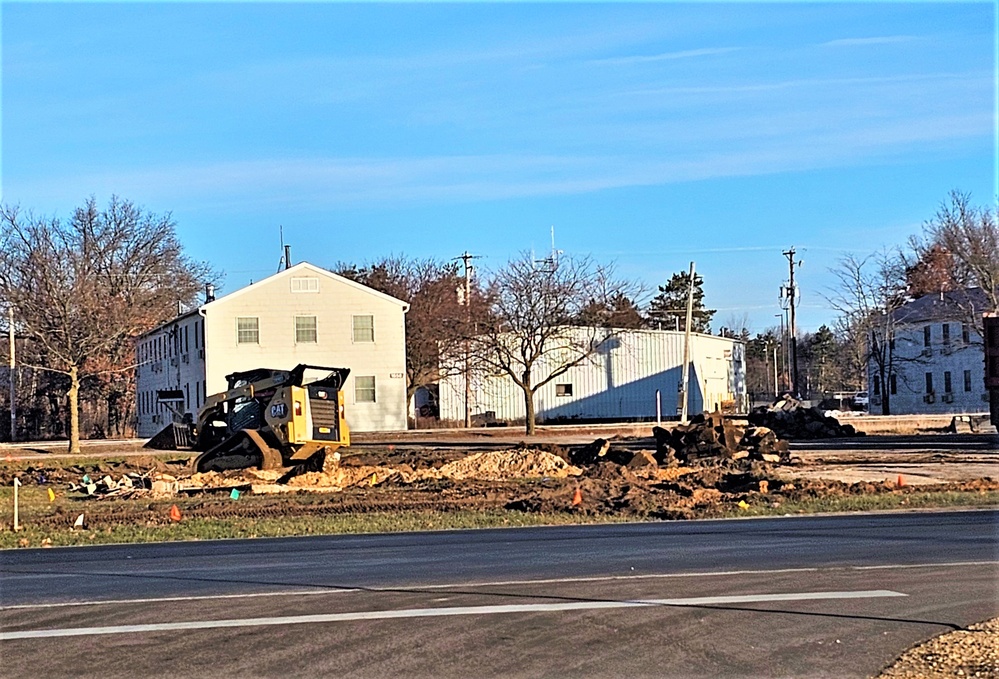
[[925, 565], [707, 574], [442, 612], [497, 583], [252, 595]]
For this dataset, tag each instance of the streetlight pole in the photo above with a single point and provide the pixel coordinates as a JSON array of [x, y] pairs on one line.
[[466, 259], [777, 386], [685, 379]]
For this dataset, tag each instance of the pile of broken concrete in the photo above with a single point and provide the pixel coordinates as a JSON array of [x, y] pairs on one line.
[[790, 419], [710, 438]]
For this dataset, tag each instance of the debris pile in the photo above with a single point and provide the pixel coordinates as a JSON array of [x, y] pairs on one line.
[[598, 451], [790, 420], [128, 485], [709, 439]]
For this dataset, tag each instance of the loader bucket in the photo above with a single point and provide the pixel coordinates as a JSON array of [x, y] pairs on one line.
[[174, 436]]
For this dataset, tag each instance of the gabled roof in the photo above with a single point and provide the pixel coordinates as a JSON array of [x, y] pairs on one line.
[[952, 305], [298, 269], [301, 268]]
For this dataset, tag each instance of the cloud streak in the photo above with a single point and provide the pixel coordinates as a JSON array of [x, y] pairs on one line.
[[329, 181], [665, 56], [870, 41]]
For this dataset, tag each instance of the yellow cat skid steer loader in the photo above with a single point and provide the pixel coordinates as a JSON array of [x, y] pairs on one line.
[[267, 419]]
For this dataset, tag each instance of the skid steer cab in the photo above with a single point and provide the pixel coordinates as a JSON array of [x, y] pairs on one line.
[[267, 419]]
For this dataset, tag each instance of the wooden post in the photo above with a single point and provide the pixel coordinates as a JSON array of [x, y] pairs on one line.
[[17, 484]]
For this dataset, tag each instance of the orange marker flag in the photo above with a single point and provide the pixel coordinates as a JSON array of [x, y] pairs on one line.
[[174, 513], [577, 498]]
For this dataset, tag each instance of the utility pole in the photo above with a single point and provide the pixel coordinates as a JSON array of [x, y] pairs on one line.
[[685, 381], [466, 259], [13, 403], [792, 293]]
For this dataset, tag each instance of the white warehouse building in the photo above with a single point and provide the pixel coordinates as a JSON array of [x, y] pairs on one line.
[[303, 314], [619, 381]]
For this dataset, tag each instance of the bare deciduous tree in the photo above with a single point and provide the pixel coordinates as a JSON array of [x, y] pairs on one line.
[[532, 332], [870, 291], [969, 234], [437, 318], [83, 289]]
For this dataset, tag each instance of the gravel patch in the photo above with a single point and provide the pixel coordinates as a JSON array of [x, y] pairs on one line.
[[968, 653]]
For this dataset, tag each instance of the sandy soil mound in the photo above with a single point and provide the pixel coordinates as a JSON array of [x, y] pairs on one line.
[[508, 464]]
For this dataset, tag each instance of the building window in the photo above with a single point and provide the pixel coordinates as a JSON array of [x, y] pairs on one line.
[[305, 330], [248, 330], [946, 333], [892, 384], [965, 333], [364, 389], [305, 284], [948, 386], [929, 383], [877, 386], [967, 380], [563, 390], [364, 328], [926, 336]]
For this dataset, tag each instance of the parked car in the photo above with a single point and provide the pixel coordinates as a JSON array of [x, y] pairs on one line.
[[861, 400]]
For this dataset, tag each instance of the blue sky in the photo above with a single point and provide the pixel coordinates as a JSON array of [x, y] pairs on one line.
[[648, 135]]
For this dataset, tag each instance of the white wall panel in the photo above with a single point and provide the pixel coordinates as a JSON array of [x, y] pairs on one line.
[[618, 382]]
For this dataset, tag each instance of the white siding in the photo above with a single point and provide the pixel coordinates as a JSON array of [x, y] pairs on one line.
[[170, 357], [914, 359], [276, 305], [618, 382]]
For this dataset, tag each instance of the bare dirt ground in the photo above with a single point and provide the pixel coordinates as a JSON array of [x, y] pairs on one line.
[[493, 469]]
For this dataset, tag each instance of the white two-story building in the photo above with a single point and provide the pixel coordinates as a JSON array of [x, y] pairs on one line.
[[938, 363], [303, 314]]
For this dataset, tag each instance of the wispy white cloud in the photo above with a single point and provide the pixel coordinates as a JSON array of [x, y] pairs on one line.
[[980, 78], [665, 56], [329, 182], [873, 40]]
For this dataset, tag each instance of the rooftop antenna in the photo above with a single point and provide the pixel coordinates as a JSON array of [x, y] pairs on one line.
[[551, 262], [283, 262], [555, 253]]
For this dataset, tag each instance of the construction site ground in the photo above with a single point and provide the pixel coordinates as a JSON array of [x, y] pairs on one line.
[[500, 468]]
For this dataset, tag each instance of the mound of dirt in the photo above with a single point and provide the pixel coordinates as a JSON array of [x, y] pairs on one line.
[[508, 464], [489, 466], [344, 477]]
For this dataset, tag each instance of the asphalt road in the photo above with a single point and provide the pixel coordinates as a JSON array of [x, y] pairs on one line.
[[834, 596]]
